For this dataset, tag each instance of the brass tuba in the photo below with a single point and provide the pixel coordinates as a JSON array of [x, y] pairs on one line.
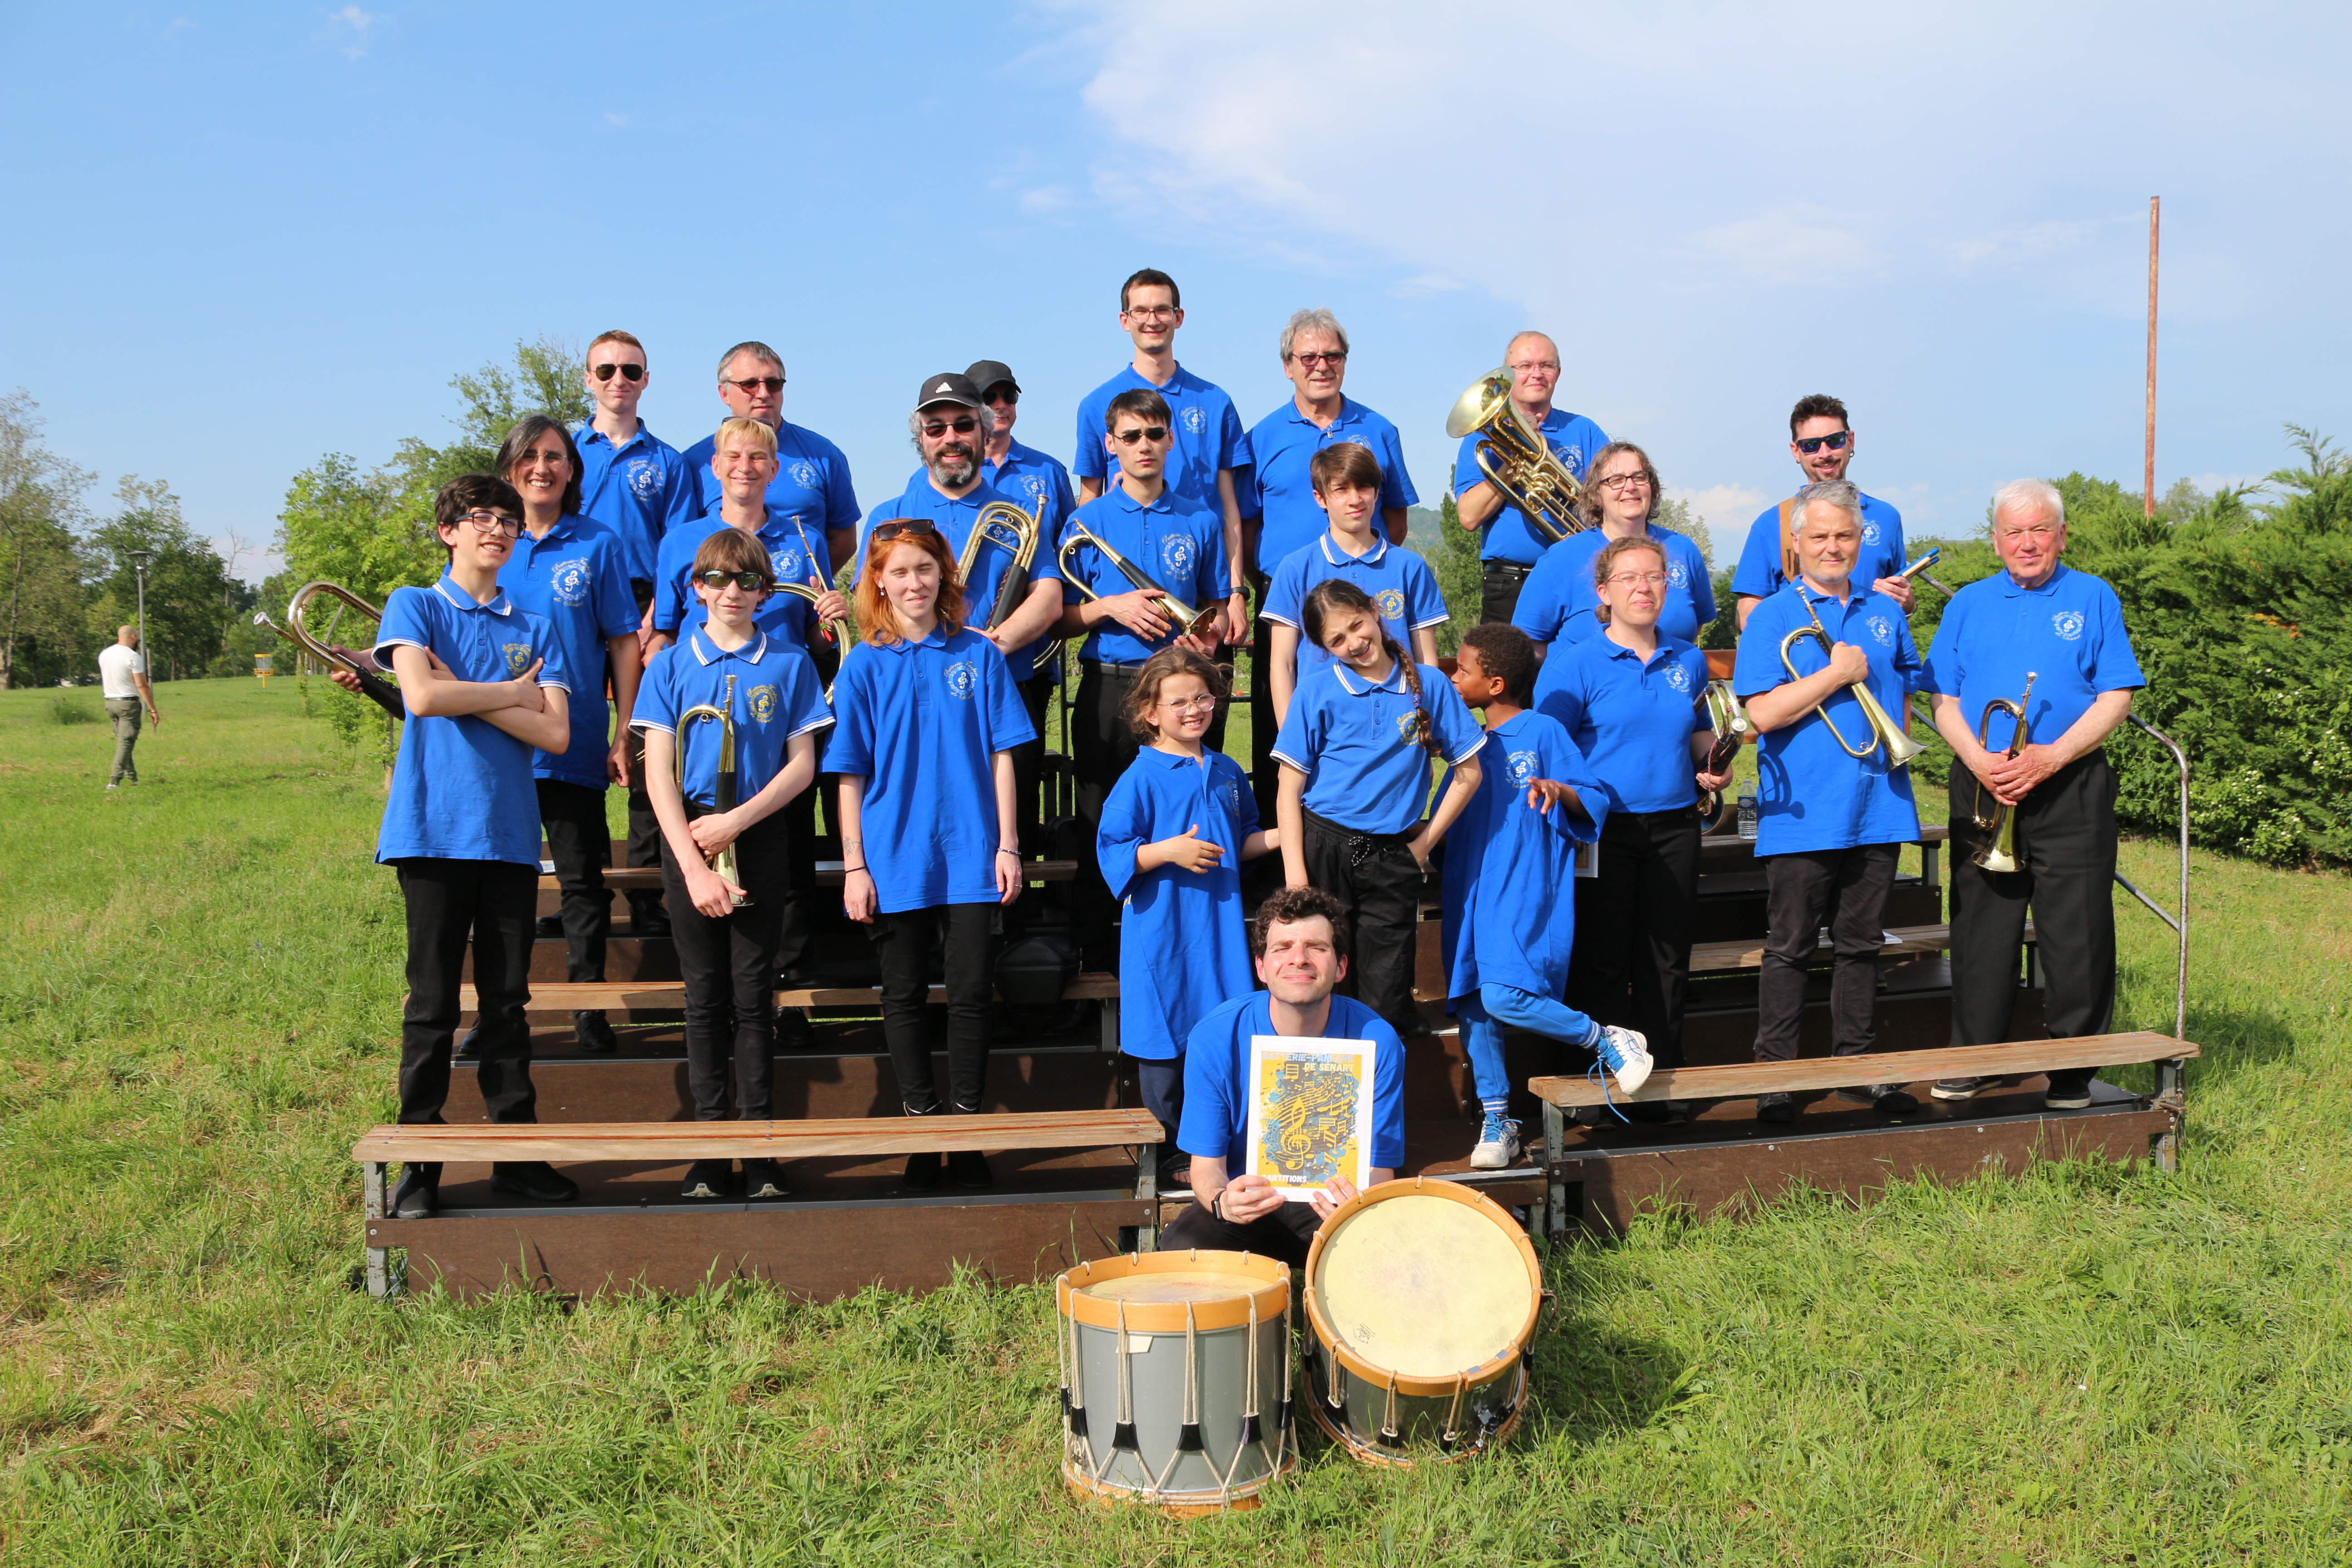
[[1999, 853], [1015, 532], [723, 795], [1188, 621], [1515, 458], [373, 678], [1884, 731]]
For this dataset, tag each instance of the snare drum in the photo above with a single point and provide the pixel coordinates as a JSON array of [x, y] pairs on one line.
[[1175, 1378], [1423, 1297]]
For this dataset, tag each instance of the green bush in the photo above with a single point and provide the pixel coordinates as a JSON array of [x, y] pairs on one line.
[[70, 709]]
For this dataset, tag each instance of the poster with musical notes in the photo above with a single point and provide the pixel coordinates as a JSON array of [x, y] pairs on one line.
[[1310, 1112]]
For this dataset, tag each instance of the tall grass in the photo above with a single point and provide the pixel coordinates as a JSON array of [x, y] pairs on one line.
[[198, 988]]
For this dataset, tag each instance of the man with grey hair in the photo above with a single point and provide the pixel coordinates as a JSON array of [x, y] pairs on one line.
[[123, 682], [1280, 513], [2040, 631], [1509, 544], [812, 488], [1830, 826]]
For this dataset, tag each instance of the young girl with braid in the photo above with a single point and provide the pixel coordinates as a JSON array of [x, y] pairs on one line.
[[1355, 750]]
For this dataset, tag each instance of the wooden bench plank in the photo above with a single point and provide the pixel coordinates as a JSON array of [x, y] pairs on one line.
[[1714, 957], [1749, 1078], [665, 1140], [828, 874], [584, 995]]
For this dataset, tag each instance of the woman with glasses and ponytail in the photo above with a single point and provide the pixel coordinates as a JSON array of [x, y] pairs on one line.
[[928, 719], [1558, 604]]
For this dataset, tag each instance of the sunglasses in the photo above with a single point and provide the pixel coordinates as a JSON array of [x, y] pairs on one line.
[[750, 582], [1148, 433], [962, 424], [1311, 361], [750, 384], [886, 531], [492, 523], [1836, 443], [604, 371]]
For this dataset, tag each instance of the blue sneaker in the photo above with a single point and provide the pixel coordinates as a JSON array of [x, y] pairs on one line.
[[1498, 1145], [1626, 1054]]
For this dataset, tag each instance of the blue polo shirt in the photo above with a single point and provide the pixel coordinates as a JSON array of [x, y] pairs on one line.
[[1758, 573], [1278, 492], [462, 789], [1399, 581], [921, 723], [1509, 536], [1558, 602], [1510, 869], [1183, 935], [955, 516], [1216, 1118], [1172, 541], [1810, 795], [811, 480], [776, 696], [1208, 434], [640, 490], [1631, 719], [576, 579], [1025, 475], [2069, 632], [1354, 740], [784, 615]]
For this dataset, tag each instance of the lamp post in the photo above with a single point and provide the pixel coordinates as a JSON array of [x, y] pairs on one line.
[[139, 559]]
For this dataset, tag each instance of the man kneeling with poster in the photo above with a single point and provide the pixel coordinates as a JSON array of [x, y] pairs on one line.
[[1305, 1118]]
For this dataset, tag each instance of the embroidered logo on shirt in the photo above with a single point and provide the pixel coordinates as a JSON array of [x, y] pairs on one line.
[[1882, 629], [1405, 725], [1176, 554], [1233, 797], [1194, 420], [1391, 604], [1519, 768], [569, 583], [1678, 678], [2067, 624], [1870, 533], [962, 677], [645, 478], [1676, 574], [763, 703], [788, 564], [805, 474], [517, 656]]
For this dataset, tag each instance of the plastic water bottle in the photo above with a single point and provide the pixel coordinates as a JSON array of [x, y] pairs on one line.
[[1748, 816]]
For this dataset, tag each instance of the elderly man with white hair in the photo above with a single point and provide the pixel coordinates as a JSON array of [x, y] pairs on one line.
[[2040, 625]]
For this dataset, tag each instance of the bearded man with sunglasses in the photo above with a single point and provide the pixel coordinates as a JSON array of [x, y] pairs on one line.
[[630, 480], [1821, 441]]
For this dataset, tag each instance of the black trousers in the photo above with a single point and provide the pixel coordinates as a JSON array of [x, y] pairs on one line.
[[902, 944], [581, 845], [1284, 1235], [450, 903], [2067, 854], [729, 966], [1632, 965], [1499, 591], [1376, 876], [1029, 759], [1102, 748], [1846, 890]]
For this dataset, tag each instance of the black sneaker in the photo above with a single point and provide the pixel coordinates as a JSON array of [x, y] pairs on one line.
[[969, 1168], [592, 1033], [1659, 1112], [1961, 1088], [652, 922], [707, 1179], [419, 1194], [1175, 1172], [922, 1172], [2068, 1091], [467, 1043], [1883, 1098], [1777, 1108], [532, 1179], [793, 1032], [762, 1181], [547, 926]]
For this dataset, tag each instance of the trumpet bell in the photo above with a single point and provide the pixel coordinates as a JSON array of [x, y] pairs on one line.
[[1900, 747], [1994, 859]]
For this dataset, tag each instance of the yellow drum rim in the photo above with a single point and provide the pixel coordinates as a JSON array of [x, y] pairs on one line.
[[1273, 1296], [1379, 1376]]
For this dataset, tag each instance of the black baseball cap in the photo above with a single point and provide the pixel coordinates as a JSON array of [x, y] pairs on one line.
[[947, 388], [985, 373]]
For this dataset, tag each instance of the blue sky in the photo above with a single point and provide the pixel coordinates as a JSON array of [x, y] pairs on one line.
[[243, 236]]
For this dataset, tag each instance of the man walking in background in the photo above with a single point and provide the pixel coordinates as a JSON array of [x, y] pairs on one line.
[[123, 675]]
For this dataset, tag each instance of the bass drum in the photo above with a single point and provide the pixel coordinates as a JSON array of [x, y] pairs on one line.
[[1423, 1297]]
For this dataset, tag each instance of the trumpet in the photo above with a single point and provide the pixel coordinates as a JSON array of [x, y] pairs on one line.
[[1731, 726], [359, 662], [724, 794], [1884, 732], [1515, 458], [1999, 853], [1015, 532], [1188, 621]]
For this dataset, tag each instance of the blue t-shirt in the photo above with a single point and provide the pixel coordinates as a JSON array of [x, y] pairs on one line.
[[1184, 937], [1399, 581], [1172, 541], [462, 788], [1509, 869], [2069, 632], [812, 482], [1216, 1118], [576, 579], [640, 490], [1758, 574], [1025, 475], [1278, 492], [1208, 436], [1558, 601], [1509, 536], [776, 697], [1354, 740], [921, 723], [1810, 795], [955, 516], [1631, 720], [787, 617]]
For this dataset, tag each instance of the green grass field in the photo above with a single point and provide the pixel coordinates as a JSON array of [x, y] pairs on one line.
[[198, 997]]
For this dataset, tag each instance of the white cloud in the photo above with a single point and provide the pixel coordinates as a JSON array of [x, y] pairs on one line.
[[1727, 510], [350, 24], [1045, 199], [617, 121]]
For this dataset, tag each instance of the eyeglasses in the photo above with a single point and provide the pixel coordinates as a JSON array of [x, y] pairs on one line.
[[1147, 432], [753, 383], [750, 582], [886, 531], [1836, 443], [1524, 366], [962, 424], [1638, 580], [604, 371], [1153, 313], [492, 523], [1622, 483], [1187, 704], [1310, 360]]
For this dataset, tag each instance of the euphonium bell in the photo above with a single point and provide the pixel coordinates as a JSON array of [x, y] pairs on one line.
[[2000, 852], [1015, 532], [1516, 458]]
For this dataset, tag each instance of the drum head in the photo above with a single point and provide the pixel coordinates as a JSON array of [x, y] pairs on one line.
[[1175, 1285], [1424, 1286]]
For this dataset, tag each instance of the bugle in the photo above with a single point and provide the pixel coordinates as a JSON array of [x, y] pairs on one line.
[[1187, 620], [1015, 532], [1516, 458], [840, 630], [723, 793], [1884, 733], [358, 662], [1730, 724], [1998, 852]]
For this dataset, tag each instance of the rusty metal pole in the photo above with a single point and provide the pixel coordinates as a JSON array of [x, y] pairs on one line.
[[2147, 487]]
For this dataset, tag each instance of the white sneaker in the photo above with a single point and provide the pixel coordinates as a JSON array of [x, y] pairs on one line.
[[1626, 1055], [1498, 1145]]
